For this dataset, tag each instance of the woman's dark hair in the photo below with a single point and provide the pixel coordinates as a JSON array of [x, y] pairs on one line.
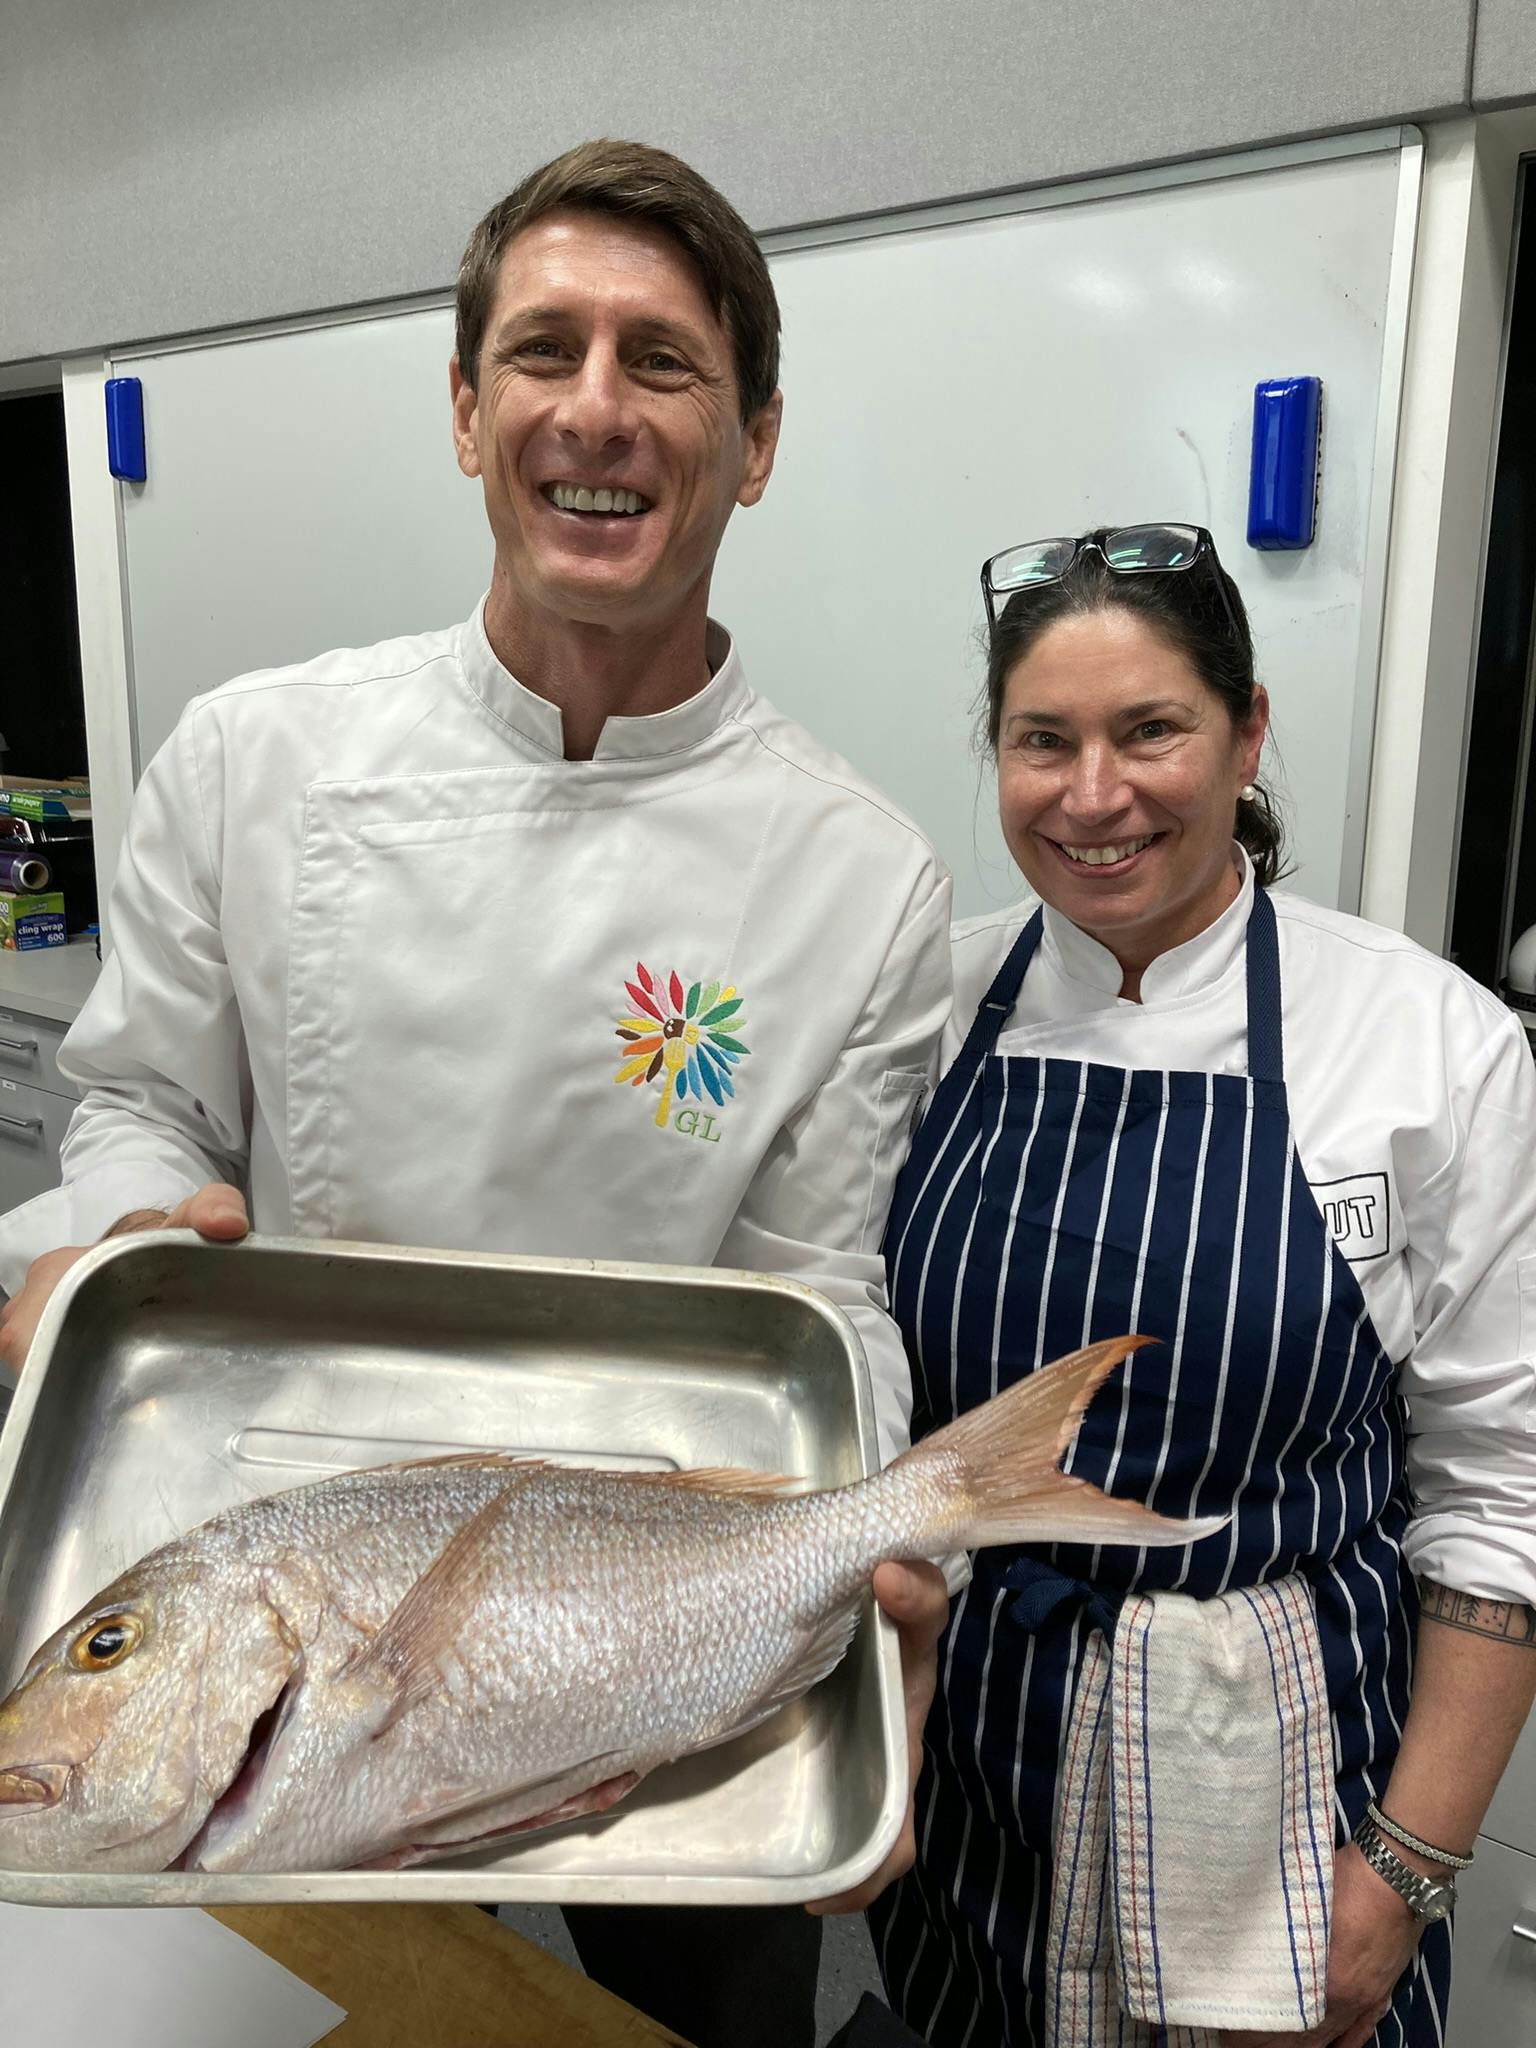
[[1185, 607]]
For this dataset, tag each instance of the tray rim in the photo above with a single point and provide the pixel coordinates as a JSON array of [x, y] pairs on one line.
[[446, 1883]]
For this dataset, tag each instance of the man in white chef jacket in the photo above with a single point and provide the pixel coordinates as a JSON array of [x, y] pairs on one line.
[[544, 933]]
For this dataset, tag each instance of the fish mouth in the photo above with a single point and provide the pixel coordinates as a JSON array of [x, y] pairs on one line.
[[29, 1788], [246, 1776]]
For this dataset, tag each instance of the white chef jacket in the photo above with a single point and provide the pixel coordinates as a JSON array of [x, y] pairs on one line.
[[375, 941], [1413, 1108]]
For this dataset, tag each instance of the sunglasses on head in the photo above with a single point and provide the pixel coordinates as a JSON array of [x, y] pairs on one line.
[[1124, 550]]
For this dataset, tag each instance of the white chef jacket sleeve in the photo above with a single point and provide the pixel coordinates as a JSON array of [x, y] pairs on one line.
[[157, 1050], [816, 1208], [1471, 1380]]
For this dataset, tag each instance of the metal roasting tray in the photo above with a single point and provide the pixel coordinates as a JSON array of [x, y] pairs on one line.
[[171, 1378]]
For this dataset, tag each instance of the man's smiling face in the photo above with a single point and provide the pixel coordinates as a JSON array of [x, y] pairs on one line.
[[605, 424]]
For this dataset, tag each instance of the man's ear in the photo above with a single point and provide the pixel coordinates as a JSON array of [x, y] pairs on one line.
[[761, 435], [462, 392]]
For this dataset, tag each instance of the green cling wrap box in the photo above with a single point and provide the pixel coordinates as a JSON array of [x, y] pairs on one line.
[[31, 921]]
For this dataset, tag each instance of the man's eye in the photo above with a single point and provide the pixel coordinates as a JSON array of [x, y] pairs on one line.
[[1153, 729], [542, 347], [662, 361]]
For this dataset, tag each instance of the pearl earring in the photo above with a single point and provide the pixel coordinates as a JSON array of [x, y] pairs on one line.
[[1247, 793]]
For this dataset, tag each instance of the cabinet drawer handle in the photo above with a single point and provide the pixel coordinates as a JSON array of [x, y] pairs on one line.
[[32, 1125], [1523, 1933], [18, 1045]]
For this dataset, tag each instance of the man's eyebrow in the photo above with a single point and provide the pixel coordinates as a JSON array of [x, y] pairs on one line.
[[643, 326]]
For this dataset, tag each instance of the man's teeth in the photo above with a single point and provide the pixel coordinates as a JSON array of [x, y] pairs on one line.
[[1105, 856], [577, 498]]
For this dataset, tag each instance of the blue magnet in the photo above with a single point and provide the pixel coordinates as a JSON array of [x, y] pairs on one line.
[[125, 428], [1282, 485]]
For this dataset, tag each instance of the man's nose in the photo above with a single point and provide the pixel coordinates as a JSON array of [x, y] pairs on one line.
[[597, 403]]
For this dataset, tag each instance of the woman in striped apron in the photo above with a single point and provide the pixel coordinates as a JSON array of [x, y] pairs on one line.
[[1165, 1117]]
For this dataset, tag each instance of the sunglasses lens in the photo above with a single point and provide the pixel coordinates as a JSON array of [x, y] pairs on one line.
[[1130, 548], [1038, 561]]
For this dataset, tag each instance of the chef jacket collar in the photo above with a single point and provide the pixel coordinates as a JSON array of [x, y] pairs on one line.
[[535, 719], [1181, 971]]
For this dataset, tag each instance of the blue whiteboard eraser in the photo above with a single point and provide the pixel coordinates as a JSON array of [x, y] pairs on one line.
[[125, 428], [1282, 483]]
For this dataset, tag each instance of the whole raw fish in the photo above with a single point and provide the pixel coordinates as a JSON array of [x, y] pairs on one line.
[[407, 1662]]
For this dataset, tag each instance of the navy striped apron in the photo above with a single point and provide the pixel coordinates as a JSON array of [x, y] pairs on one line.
[[1048, 1203]]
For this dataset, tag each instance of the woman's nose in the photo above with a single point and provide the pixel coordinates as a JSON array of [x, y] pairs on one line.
[[1097, 787]]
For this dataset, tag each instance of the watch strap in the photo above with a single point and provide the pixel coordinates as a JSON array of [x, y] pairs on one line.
[[1427, 1898]]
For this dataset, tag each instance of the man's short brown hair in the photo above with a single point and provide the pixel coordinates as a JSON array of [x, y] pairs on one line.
[[644, 184]]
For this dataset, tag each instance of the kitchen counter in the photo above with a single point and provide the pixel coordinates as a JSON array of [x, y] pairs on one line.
[[52, 982]]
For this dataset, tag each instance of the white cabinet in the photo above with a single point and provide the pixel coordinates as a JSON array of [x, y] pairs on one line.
[[1493, 1975], [40, 996], [1493, 1979]]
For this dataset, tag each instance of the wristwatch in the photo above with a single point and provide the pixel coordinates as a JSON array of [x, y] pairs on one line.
[[1428, 1898]]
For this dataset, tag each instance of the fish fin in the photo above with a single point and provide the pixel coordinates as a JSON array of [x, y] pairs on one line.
[[430, 1841], [403, 1658], [1003, 1463], [721, 1479], [487, 1461]]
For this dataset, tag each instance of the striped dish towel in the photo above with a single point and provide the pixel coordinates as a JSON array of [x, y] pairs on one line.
[[1194, 1825]]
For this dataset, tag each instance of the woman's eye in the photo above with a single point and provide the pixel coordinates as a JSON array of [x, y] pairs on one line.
[[1040, 742], [1153, 729]]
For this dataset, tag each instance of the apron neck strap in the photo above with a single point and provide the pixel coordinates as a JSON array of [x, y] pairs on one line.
[[1266, 1050], [998, 1001]]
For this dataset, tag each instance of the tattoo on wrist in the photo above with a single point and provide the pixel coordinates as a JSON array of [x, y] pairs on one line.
[[1504, 1621], [136, 1219]]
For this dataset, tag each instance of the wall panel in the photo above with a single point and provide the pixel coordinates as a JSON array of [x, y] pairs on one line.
[[185, 164], [1504, 69]]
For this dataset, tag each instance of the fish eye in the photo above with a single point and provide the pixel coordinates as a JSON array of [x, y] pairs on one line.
[[106, 1642]]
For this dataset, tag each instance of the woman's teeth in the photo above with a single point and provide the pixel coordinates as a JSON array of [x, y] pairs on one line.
[[1105, 856], [577, 498]]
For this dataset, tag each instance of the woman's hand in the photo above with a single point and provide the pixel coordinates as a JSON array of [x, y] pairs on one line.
[[916, 1598], [1371, 1942]]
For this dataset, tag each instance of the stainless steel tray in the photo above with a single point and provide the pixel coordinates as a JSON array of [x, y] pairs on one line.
[[171, 1378]]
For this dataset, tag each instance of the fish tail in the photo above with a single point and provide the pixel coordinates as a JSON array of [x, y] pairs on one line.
[[994, 1474]]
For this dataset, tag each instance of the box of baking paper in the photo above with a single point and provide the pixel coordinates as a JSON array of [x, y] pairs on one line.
[[31, 921]]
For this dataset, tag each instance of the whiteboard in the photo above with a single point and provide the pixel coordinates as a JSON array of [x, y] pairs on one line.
[[954, 383]]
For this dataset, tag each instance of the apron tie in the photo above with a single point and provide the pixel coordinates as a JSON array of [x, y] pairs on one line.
[[1040, 1590]]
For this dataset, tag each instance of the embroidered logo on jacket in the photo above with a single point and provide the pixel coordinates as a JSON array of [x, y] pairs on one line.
[[1356, 1214], [686, 1038]]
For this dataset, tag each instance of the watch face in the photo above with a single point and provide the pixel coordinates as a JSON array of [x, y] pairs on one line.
[[1436, 1903]]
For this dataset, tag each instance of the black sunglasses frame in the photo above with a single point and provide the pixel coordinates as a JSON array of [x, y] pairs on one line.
[[1101, 539]]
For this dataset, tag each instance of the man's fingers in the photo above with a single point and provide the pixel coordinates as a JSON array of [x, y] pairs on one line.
[[216, 1211], [19, 1319]]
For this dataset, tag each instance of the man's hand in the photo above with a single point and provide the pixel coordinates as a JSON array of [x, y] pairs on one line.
[[216, 1212], [1371, 1942], [916, 1598]]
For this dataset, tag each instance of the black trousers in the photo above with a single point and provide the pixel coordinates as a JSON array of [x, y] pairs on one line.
[[721, 1976]]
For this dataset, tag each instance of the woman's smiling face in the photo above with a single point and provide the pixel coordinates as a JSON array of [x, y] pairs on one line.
[[1118, 773]]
